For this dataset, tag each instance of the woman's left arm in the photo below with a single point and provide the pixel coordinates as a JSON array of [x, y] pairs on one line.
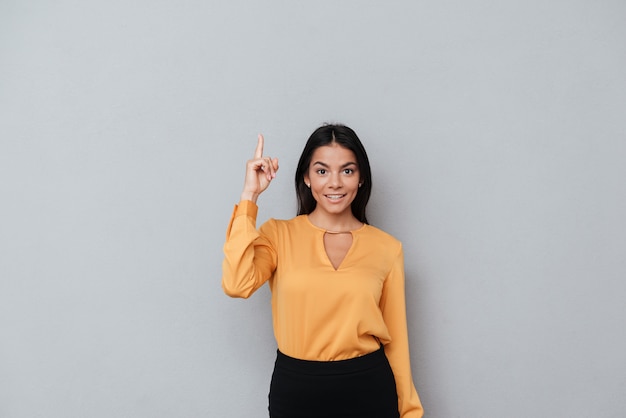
[[393, 306]]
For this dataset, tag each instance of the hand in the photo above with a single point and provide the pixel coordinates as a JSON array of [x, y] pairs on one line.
[[260, 171]]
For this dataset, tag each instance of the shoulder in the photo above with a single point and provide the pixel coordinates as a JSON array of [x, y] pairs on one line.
[[381, 240], [281, 226], [378, 233], [283, 223]]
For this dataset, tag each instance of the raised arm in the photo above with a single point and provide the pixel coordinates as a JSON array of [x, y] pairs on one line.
[[249, 256]]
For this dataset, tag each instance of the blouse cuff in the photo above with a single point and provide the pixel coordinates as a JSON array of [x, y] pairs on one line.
[[247, 208], [244, 208]]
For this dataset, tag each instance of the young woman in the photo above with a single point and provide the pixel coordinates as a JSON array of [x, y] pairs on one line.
[[337, 285]]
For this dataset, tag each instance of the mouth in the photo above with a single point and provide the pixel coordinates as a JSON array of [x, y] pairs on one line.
[[334, 196]]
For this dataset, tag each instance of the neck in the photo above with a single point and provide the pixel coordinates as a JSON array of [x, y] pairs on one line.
[[335, 223]]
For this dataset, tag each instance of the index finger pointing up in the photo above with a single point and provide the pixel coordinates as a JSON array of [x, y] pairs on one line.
[[258, 153]]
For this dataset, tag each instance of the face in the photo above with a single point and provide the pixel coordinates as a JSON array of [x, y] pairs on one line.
[[334, 179]]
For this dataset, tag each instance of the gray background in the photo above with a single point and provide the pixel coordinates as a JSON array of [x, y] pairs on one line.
[[497, 136]]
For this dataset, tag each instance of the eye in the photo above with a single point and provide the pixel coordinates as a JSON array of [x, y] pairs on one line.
[[348, 171], [321, 171]]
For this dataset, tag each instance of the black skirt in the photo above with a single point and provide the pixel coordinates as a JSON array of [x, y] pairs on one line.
[[361, 387]]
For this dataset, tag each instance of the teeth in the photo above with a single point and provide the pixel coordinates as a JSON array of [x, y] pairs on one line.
[[334, 196]]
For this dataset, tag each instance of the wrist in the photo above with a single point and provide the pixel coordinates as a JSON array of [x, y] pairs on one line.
[[249, 196]]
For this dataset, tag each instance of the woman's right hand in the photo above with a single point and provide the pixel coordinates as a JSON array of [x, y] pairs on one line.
[[260, 171]]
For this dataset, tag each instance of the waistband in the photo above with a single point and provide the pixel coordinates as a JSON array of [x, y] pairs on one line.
[[314, 367]]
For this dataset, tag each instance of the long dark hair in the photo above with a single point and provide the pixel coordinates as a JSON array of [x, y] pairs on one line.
[[347, 138]]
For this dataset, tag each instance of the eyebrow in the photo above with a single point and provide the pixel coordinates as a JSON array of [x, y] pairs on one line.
[[326, 165]]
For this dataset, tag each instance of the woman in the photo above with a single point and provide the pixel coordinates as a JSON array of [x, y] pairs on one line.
[[337, 286]]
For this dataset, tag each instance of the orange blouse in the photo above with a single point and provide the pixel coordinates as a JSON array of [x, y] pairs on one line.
[[319, 312]]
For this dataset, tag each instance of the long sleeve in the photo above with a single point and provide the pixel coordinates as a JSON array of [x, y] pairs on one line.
[[393, 306], [249, 257]]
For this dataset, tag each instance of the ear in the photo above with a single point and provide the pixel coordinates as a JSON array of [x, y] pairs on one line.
[[307, 180]]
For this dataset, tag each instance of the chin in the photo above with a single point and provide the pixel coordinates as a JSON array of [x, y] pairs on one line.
[[336, 210]]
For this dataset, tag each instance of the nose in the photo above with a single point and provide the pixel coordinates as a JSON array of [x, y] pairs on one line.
[[335, 180]]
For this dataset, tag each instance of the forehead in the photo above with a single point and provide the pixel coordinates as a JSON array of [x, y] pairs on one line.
[[333, 154]]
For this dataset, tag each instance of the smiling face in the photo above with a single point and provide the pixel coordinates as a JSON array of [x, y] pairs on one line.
[[333, 177]]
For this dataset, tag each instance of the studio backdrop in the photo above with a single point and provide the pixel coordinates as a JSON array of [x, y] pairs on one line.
[[496, 132]]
